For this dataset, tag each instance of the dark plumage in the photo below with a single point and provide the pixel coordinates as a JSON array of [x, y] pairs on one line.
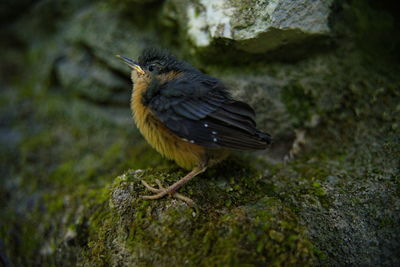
[[189, 116]]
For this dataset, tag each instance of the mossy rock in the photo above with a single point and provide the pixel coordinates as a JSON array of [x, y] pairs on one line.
[[125, 230], [66, 133]]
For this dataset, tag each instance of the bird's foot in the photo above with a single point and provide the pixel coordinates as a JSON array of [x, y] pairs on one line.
[[161, 191]]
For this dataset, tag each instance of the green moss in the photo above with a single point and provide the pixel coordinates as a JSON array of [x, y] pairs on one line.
[[299, 103], [151, 232]]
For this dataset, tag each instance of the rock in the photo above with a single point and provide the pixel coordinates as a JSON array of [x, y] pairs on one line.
[[118, 36], [88, 67], [67, 136], [81, 74], [253, 26], [138, 232]]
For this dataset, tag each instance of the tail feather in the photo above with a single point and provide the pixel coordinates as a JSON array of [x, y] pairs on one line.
[[265, 137]]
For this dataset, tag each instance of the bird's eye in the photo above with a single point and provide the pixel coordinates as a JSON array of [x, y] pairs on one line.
[[152, 67]]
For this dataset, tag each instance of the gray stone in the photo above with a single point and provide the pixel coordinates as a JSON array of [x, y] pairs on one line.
[[83, 75], [88, 66], [106, 34], [255, 26]]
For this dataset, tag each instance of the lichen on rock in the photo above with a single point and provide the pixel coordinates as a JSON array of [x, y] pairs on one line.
[[254, 26]]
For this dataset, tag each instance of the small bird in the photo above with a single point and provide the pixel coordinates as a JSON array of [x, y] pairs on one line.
[[188, 116]]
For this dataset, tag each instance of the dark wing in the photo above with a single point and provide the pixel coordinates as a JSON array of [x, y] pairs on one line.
[[198, 109]]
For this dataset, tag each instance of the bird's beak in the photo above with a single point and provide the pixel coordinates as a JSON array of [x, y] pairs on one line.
[[131, 63]]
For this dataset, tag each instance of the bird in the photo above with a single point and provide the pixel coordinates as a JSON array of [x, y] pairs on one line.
[[188, 116]]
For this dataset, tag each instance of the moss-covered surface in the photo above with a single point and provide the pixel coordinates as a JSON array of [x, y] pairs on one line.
[[71, 159], [169, 231]]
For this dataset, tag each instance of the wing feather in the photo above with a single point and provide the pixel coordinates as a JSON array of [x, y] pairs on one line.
[[202, 112]]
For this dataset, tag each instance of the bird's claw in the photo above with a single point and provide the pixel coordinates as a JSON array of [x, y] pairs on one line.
[[161, 191], [153, 189]]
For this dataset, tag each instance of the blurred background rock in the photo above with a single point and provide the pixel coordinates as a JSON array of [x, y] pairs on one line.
[[322, 75]]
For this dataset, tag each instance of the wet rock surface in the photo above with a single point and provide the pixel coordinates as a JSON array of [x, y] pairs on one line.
[[71, 160]]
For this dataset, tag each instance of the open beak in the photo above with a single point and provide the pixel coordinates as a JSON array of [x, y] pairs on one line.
[[131, 63]]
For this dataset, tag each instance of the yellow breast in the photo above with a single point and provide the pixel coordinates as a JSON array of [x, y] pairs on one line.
[[185, 154]]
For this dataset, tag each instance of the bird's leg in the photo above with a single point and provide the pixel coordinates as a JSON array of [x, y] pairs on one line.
[[162, 188], [161, 191]]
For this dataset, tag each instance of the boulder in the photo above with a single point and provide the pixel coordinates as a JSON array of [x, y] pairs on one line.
[[253, 26]]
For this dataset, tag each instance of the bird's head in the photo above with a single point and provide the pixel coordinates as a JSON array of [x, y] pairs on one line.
[[156, 64]]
